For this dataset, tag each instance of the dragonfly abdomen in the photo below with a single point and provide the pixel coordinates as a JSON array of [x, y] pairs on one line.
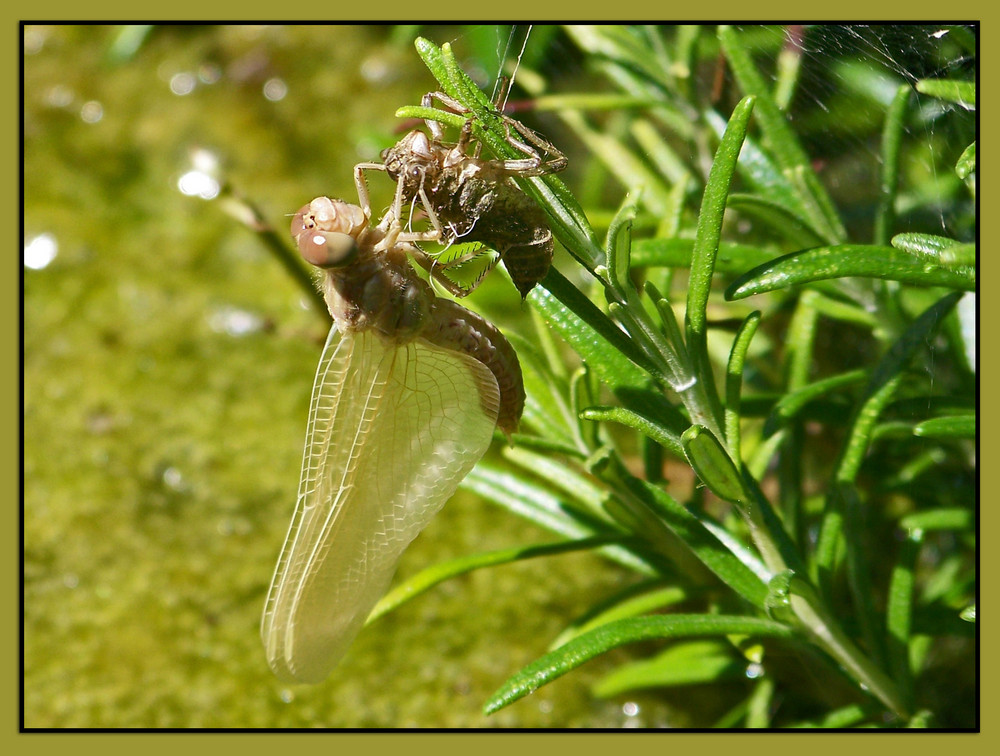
[[454, 327]]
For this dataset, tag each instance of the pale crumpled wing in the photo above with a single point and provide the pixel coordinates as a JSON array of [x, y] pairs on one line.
[[393, 429]]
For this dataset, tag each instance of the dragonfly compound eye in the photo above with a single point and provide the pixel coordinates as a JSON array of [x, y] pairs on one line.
[[327, 249], [324, 231]]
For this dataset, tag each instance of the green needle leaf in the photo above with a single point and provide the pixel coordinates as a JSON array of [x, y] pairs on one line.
[[615, 634], [958, 426], [952, 90], [438, 573], [692, 663], [966, 162], [847, 260], [714, 466]]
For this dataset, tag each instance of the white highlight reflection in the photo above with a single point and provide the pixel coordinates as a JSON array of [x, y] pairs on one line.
[[275, 89], [40, 251], [198, 184], [182, 83]]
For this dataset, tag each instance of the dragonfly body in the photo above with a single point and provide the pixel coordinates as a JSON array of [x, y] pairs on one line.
[[379, 290], [407, 394]]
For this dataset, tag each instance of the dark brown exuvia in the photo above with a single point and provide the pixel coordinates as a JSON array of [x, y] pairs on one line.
[[469, 199]]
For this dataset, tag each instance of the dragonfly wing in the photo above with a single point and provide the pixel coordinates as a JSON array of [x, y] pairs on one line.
[[393, 429]]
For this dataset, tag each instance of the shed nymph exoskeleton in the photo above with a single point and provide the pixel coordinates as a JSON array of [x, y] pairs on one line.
[[409, 390], [469, 199]]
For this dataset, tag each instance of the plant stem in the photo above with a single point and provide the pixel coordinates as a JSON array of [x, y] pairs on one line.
[[829, 636]]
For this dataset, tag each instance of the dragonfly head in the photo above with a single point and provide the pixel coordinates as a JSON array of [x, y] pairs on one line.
[[326, 232]]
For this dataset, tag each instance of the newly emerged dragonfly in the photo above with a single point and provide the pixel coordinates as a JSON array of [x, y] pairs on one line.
[[409, 390], [469, 199]]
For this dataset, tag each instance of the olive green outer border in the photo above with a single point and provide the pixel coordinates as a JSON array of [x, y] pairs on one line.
[[478, 744]]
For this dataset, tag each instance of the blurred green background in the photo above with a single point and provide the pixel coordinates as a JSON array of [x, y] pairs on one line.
[[168, 360]]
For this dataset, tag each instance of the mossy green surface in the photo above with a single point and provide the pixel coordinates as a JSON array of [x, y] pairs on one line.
[[168, 361]]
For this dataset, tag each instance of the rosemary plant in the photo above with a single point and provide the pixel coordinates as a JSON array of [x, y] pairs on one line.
[[822, 518], [829, 434]]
